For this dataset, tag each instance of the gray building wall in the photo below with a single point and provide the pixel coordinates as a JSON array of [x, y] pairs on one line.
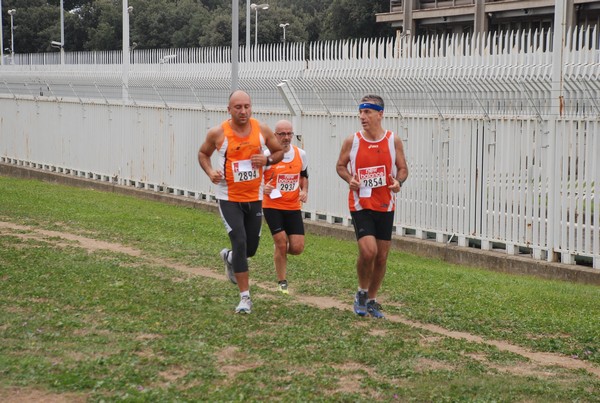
[[424, 17]]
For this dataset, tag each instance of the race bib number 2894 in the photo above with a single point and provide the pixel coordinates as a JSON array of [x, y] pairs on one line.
[[243, 171], [244, 176]]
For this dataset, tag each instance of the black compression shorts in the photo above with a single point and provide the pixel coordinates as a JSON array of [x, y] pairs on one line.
[[289, 221], [376, 223]]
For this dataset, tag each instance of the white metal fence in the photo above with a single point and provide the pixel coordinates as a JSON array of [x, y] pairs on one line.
[[492, 162]]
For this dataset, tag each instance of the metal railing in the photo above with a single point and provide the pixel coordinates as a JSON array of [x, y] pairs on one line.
[[493, 162]]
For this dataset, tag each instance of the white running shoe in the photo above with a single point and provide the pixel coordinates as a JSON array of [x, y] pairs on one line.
[[228, 266], [245, 305]]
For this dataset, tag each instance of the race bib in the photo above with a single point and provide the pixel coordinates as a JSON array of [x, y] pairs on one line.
[[372, 177], [243, 171], [288, 182]]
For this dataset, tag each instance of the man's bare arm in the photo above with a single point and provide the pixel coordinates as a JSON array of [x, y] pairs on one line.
[[206, 151], [303, 189], [342, 165], [400, 161], [272, 144]]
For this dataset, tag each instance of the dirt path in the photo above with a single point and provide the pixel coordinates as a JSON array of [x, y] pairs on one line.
[[539, 358]]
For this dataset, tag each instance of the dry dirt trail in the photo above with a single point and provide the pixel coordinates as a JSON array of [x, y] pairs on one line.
[[539, 358]]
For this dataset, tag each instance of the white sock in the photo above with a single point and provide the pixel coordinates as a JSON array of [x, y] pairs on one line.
[[363, 289], [245, 294], [229, 258]]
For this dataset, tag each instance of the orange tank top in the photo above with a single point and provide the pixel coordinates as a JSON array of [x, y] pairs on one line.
[[243, 182], [285, 176], [372, 162]]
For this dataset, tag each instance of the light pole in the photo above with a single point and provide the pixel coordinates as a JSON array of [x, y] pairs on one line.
[[61, 44], [247, 30], [235, 44], [283, 26], [257, 7], [12, 35], [2, 38], [62, 33], [125, 57]]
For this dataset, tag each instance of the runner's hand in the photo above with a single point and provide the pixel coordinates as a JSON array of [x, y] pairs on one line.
[[303, 196], [395, 185], [216, 176], [354, 183], [268, 188]]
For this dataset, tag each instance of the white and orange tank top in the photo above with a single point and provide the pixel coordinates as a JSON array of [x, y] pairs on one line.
[[285, 177], [243, 182], [373, 162]]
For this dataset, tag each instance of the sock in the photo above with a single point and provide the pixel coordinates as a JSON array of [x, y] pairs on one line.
[[371, 300], [245, 294], [363, 290], [229, 258]]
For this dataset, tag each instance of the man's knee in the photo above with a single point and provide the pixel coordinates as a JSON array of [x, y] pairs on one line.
[[252, 247], [367, 247], [296, 250], [296, 247]]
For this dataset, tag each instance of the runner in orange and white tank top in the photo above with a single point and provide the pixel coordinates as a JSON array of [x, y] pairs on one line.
[[286, 188], [285, 177], [239, 142], [243, 180]]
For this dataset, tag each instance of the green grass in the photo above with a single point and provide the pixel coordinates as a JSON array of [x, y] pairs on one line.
[[108, 326]]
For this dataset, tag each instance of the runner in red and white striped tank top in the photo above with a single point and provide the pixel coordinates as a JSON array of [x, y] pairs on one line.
[[372, 162]]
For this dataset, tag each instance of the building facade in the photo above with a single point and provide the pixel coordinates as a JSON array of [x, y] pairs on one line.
[[425, 17]]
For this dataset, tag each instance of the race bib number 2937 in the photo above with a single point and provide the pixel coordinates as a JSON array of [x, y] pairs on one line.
[[287, 182]]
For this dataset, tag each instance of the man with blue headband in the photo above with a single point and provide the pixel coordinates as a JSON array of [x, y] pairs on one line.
[[372, 162]]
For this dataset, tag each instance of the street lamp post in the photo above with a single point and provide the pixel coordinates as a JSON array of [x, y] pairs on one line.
[[235, 44], [61, 44], [283, 26], [125, 57], [62, 33], [2, 38], [12, 35], [247, 57], [257, 7]]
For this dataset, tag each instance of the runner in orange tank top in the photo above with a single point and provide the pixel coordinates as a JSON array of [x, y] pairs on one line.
[[286, 188], [372, 162], [239, 142]]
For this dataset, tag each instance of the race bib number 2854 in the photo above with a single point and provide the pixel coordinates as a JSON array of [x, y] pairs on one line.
[[372, 177]]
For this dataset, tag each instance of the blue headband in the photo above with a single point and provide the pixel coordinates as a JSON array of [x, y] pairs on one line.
[[368, 105]]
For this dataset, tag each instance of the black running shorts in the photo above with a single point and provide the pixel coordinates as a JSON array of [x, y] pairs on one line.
[[289, 221], [375, 223]]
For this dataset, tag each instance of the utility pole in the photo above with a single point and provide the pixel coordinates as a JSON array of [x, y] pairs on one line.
[[235, 43]]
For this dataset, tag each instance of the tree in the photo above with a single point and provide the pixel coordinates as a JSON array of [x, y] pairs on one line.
[[102, 21], [70, 4], [97, 24], [217, 31], [360, 16]]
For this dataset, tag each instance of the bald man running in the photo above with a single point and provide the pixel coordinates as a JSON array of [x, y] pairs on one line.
[[239, 142]]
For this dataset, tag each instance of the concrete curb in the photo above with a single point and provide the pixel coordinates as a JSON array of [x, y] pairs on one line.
[[464, 256]]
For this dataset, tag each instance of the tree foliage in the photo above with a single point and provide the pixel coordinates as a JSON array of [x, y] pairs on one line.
[[97, 24]]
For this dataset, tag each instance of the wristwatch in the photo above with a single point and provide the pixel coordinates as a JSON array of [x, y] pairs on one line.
[[269, 161]]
